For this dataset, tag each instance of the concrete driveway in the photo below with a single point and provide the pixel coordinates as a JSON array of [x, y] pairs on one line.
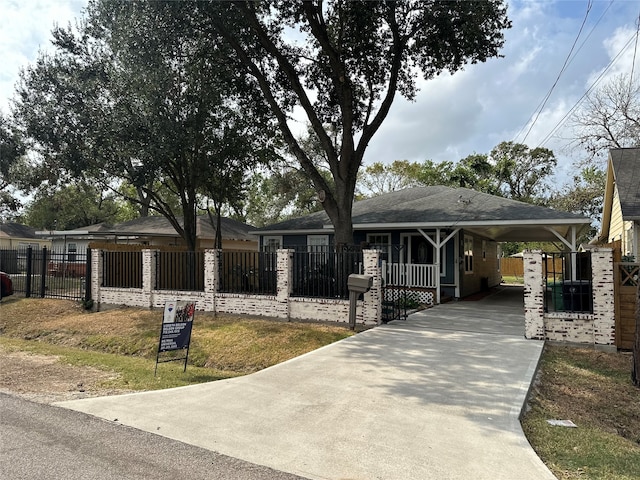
[[435, 397]]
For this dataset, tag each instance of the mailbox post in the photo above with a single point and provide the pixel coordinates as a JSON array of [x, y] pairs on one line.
[[357, 284]]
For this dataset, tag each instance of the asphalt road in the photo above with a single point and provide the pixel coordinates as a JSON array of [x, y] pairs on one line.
[[44, 442]]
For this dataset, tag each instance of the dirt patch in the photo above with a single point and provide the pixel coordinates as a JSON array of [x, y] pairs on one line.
[[45, 379]]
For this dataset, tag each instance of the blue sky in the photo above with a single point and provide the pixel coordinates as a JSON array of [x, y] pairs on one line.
[[454, 115]]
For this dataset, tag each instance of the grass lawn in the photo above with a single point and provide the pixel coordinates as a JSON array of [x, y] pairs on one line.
[[593, 389], [125, 341]]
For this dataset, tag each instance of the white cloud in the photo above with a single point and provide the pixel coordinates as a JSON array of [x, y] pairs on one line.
[[25, 28]]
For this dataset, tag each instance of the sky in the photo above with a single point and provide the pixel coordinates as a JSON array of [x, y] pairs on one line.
[[453, 116]]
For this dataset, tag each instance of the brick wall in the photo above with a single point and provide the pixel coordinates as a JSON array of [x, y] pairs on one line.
[[597, 328], [281, 305]]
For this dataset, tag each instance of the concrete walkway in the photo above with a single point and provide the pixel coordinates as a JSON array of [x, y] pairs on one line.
[[435, 397]]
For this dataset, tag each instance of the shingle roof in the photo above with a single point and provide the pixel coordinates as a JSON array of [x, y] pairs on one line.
[[160, 226], [433, 205], [626, 169], [16, 230]]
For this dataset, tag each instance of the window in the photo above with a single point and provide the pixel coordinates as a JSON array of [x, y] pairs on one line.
[[380, 241], [72, 249], [271, 244], [468, 254]]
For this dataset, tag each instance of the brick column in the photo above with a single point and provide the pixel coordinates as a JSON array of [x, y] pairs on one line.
[[604, 326], [96, 276], [533, 295], [372, 304], [284, 281], [148, 275], [211, 280]]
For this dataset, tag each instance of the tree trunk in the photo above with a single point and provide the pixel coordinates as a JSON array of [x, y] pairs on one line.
[[635, 374]]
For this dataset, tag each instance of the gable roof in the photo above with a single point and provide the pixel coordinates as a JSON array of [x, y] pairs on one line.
[[499, 218], [16, 230], [625, 163], [159, 226]]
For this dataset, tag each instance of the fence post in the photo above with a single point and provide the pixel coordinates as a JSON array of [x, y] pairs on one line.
[[43, 272], [29, 271], [603, 299], [284, 281], [372, 304], [148, 275], [96, 276], [87, 277], [211, 262], [533, 295]]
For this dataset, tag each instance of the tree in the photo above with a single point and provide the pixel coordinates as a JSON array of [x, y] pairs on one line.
[[609, 117], [11, 163], [343, 62], [137, 97], [379, 177], [73, 206], [522, 172]]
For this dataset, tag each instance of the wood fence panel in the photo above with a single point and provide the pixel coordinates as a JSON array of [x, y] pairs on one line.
[[626, 285]]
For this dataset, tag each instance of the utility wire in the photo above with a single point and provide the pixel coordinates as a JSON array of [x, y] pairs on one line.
[[593, 85], [564, 66]]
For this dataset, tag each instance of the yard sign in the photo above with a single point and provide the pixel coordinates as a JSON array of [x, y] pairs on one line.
[[176, 331]]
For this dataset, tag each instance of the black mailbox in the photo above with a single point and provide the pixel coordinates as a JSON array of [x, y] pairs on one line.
[[359, 283]]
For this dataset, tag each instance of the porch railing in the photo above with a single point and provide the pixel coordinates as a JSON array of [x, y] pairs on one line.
[[409, 275]]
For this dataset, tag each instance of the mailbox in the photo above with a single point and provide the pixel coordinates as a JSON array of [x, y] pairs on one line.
[[359, 283]]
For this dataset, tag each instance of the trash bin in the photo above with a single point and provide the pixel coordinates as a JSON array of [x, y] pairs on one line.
[[555, 289], [576, 295]]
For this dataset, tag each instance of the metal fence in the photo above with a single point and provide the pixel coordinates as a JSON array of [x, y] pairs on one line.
[[47, 273], [122, 269], [568, 284], [248, 272], [323, 271], [180, 271]]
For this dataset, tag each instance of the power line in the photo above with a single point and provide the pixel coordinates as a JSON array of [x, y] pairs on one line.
[[564, 66], [593, 85]]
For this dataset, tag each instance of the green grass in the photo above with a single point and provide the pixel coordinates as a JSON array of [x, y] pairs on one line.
[[513, 279], [594, 390]]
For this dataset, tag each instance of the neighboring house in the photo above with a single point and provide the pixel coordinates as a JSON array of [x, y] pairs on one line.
[[621, 209], [14, 236], [446, 239], [153, 231], [14, 241]]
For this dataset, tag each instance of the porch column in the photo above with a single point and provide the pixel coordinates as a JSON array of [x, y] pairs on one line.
[[533, 295]]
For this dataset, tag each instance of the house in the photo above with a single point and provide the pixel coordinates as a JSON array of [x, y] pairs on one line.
[[621, 209], [153, 231], [435, 239], [14, 241]]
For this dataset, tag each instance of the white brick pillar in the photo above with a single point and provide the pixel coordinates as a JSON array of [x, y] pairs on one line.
[[96, 276], [148, 275], [284, 281], [211, 280], [372, 304], [604, 326], [533, 295]]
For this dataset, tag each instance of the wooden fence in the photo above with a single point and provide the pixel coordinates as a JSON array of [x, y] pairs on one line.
[[514, 266]]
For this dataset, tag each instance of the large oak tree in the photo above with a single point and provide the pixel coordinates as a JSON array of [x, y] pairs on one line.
[[342, 63]]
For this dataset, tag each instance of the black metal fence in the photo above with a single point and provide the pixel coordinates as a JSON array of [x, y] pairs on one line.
[[568, 284], [180, 271], [323, 271], [48, 273], [122, 269], [248, 272]]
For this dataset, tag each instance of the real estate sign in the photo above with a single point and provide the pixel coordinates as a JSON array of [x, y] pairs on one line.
[[175, 333]]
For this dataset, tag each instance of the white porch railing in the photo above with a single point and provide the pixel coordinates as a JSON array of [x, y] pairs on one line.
[[410, 275]]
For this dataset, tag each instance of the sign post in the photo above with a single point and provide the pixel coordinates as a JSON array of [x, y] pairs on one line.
[[175, 333]]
